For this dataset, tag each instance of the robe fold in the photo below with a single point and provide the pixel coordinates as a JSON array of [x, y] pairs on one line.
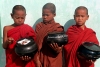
[[12, 59], [76, 36], [47, 56]]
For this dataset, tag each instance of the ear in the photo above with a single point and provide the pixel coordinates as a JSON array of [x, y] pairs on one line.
[[11, 15], [54, 14], [87, 17]]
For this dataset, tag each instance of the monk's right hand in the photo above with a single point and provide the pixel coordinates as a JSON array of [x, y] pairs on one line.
[[25, 58], [9, 40]]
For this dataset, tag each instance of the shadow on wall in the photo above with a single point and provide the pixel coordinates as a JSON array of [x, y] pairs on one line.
[[69, 23], [39, 20]]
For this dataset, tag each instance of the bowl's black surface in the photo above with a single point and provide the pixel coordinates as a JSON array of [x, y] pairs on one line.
[[57, 37], [26, 50], [89, 50]]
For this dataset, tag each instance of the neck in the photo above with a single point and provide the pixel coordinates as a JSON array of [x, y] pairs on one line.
[[16, 25], [81, 26]]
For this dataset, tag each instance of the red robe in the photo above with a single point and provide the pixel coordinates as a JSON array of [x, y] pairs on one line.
[[76, 36], [13, 60]]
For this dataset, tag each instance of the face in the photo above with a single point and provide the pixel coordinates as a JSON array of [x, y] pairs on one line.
[[47, 15], [19, 17], [80, 17]]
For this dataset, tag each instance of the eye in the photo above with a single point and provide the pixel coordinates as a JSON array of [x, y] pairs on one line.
[[77, 15], [22, 17], [17, 17], [45, 15], [82, 16]]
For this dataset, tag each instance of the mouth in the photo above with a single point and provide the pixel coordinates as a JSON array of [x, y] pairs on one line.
[[79, 21], [45, 20]]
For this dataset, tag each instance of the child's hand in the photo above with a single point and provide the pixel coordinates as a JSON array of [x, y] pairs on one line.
[[10, 40], [90, 61], [38, 64], [25, 58], [55, 47]]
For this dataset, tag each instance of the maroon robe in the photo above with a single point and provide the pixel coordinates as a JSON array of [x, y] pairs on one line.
[[47, 56]]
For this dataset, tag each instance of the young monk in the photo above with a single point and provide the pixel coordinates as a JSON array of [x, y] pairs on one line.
[[14, 32], [78, 34], [48, 55]]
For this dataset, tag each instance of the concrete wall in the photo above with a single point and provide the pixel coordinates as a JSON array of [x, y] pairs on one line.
[[65, 11]]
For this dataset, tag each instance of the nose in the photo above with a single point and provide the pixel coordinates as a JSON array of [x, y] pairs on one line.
[[80, 18], [20, 20], [44, 17]]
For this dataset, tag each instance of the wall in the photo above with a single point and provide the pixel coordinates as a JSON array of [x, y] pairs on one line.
[[65, 11]]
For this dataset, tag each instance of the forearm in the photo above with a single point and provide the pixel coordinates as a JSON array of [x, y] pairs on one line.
[[37, 60], [5, 45], [36, 57]]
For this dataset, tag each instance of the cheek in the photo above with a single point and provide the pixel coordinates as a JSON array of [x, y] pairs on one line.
[[76, 19]]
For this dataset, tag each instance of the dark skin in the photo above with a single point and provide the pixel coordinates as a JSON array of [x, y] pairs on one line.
[[18, 18], [48, 16], [80, 18]]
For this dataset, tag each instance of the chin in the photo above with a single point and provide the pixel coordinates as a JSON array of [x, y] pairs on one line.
[[19, 24], [79, 25]]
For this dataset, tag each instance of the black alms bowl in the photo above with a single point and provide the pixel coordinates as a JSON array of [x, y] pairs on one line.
[[89, 51], [57, 37], [26, 47]]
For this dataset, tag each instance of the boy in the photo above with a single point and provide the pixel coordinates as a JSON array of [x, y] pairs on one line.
[[45, 56], [78, 34], [14, 32]]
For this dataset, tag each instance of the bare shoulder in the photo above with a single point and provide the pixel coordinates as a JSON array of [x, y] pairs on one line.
[[8, 27]]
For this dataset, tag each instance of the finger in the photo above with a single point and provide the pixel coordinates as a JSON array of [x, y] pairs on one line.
[[22, 58], [9, 38], [9, 41], [12, 38], [29, 57], [51, 45], [57, 45], [25, 57], [54, 45], [92, 61]]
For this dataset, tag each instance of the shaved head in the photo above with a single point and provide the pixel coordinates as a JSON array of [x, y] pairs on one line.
[[18, 7], [81, 8], [50, 6]]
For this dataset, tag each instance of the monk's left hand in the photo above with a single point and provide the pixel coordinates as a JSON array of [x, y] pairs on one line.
[[55, 47], [25, 58]]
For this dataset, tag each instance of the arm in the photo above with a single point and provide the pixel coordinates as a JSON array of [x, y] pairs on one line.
[[6, 40], [37, 61], [5, 44]]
